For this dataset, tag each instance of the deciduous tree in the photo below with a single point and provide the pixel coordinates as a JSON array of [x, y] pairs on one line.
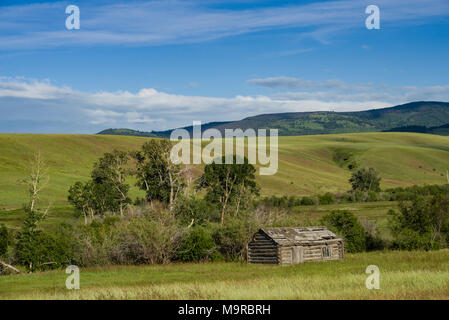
[[161, 179], [225, 182], [111, 171], [365, 180]]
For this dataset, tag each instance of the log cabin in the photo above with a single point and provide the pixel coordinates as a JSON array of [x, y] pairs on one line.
[[287, 246]]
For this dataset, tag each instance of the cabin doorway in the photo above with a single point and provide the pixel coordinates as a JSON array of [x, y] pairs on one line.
[[297, 255]]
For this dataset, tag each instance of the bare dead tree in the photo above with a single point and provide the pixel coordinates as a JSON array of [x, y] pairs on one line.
[[38, 179], [227, 191]]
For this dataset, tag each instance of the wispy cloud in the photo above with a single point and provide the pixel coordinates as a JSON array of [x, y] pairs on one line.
[[297, 83], [146, 23], [338, 90]]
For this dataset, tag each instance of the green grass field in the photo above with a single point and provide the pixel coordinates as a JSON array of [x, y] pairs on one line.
[[306, 163], [403, 275], [69, 157]]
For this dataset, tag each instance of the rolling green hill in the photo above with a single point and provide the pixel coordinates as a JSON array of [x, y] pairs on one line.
[[414, 117], [307, 164], [127, 132], [69, 157], [423, 113]]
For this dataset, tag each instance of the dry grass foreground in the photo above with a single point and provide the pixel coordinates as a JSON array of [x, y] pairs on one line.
[[403, 275]]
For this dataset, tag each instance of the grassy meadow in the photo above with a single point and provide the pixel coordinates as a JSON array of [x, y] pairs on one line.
[[308, 165], [403, 275]]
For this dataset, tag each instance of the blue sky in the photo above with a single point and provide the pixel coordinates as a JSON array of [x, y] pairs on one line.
[[153, 65]]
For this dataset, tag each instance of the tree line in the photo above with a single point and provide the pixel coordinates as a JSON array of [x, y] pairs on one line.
[[162, 180]]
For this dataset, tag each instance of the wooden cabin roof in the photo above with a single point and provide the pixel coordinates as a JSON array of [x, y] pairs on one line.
[[298, 236]]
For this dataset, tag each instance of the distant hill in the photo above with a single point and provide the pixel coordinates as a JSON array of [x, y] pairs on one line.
[[127, 132], [205, 126], [427, 114], [158, 134], [440, 130]]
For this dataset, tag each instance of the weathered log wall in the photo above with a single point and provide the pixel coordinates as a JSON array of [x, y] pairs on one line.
[[310, 253], [262, 250]]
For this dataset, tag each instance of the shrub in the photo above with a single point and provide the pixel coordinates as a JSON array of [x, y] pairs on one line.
[[409, 193], [43, 250], [233, 236], [281, 202], [150, 238], [371, 196], [197, 246], [422, 223], [307, 201], [39, 250], [4, 240], [142, 240], [327, 198], [407, 239], [375, 243], [373, 240], [198, 211], [90, 245], [346, 224], [293, 202]]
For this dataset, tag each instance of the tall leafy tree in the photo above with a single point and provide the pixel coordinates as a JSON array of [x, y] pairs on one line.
[[107, 190], [110, 172], [161, 179], [79, 198], [365, 180], [92, 199], [227, 183]]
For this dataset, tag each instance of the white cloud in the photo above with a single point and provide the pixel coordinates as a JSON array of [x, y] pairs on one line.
[[31, 89], [99, 116], [148, 109]]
